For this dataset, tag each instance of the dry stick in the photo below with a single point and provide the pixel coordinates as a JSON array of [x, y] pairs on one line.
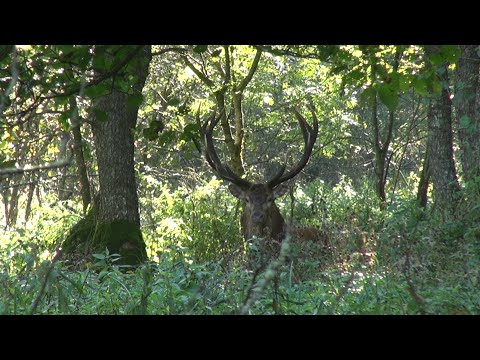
[[20, 170], [254, 292], [419, 300], [44, 284]]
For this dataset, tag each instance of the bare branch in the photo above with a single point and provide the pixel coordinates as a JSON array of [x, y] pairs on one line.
[[21, 170], [253, 68]]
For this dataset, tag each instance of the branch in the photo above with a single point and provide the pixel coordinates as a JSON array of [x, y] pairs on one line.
[[170, 49], [21, 170], [252, 70], [197, 72], [104, 76]]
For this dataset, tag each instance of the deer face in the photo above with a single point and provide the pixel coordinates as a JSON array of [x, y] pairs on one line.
[[259, 199]]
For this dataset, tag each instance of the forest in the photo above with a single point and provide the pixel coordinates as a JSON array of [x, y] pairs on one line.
[[240, 179]]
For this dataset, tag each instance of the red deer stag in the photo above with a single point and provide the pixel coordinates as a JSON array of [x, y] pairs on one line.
[[261, 217]]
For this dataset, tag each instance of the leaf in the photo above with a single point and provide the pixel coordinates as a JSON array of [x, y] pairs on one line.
[[64, 121], [100, 115], [174, 101], [191, 128], [420, 86], [152, 132], [368, 93], [99, 63], [465, 122], [7, 164], [436, 59], [450, 53], [436, 86], [356, 75], [135, 100], [338, 69], [216, 52], [96, 91], [166, 138], [190, 131], [200, 49], [404, 82], [389, 96], [99, 256]]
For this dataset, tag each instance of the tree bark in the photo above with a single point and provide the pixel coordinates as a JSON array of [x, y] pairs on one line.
[[79, 158], [422, 192], [118, 221], [467, 100], [114, 222], [440, 140], [234, 140]]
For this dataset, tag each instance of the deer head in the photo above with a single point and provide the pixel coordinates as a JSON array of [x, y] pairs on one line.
[[261, 216]]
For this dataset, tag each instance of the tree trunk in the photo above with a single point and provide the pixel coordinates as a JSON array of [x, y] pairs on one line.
[[380, 149], [422, 192], [440, 141], [115, 219], [467, 100], [79, 158]]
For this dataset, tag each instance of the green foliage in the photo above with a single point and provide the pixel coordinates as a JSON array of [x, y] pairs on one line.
[[199, 265], [184, 219], [402, 260]]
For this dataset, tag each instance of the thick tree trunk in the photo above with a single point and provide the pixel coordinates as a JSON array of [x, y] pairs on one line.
[[114, 223], [440, 141], [118, 221], [467, 100]]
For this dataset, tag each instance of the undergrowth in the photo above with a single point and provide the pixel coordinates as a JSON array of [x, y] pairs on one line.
[[405, 260]]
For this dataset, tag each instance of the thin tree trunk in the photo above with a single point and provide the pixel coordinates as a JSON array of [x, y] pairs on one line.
[[422, 192], [31, 189], [63, 193], [467, 100], [440, 141], [79, 158]]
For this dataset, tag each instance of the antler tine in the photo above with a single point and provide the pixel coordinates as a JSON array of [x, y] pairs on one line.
[[309, 136], [273, 181], [223, 171]]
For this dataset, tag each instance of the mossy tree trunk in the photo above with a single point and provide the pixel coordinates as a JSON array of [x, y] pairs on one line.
[[116, 219]]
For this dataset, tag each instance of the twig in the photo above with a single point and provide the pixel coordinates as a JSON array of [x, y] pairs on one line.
[[44, 284], [254, 292], [20, 170]]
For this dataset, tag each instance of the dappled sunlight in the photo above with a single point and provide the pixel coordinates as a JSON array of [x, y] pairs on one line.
[[239, 179]]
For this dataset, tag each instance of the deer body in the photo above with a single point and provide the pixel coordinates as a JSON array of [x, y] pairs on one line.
[[261, 217]]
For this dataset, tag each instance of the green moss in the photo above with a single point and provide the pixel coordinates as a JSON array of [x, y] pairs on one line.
[[120, 237], [79, 235]]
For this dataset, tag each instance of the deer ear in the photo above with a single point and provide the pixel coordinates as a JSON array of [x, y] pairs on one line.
[[280, 190], [236, 191]]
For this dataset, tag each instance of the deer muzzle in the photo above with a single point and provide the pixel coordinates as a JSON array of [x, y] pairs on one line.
[[257, 217]]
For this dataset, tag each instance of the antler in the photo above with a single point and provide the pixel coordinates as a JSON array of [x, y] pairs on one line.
[[309, 136], [223, 171]]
